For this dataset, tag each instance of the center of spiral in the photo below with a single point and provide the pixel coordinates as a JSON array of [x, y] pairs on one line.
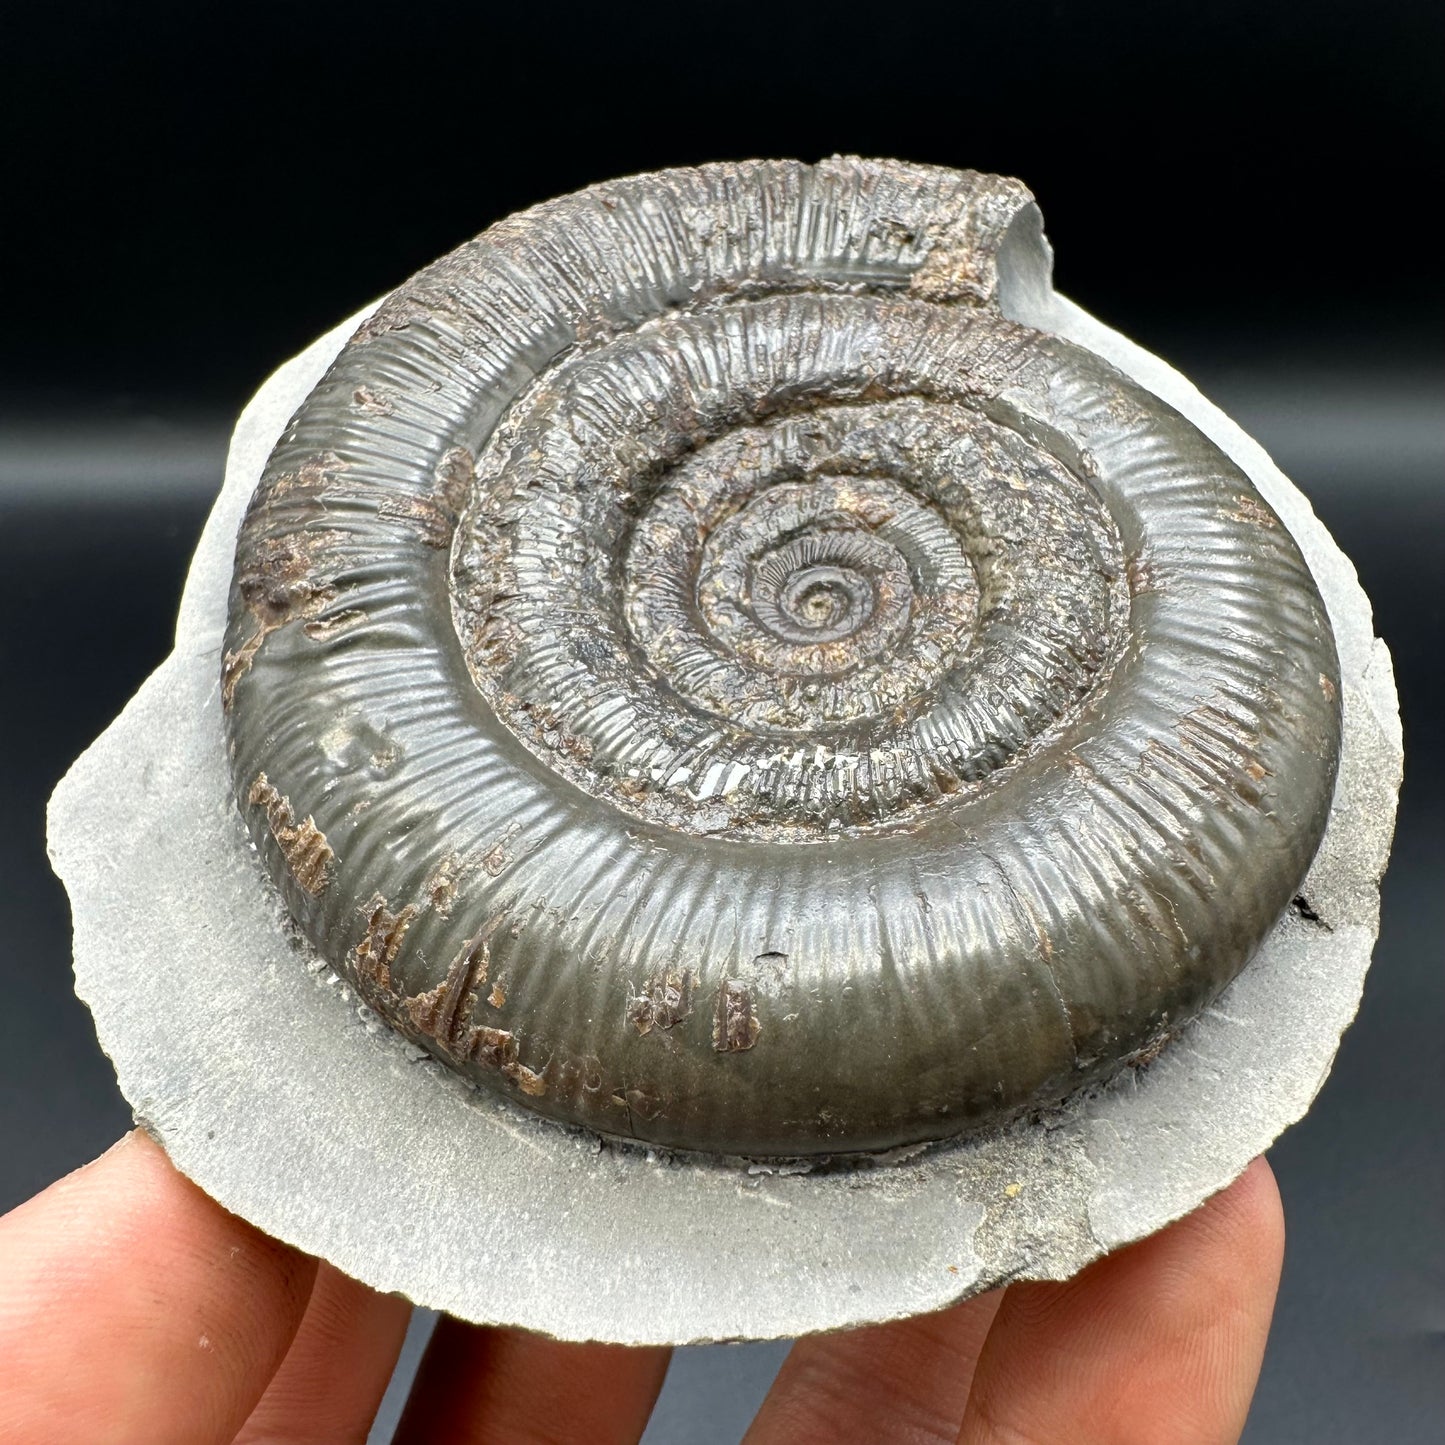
[[809, 579], [820, 603]]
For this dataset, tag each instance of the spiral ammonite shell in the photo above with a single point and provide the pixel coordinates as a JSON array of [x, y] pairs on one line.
[[699, 668]]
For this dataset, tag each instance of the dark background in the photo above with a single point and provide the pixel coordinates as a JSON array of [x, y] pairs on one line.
[[191, 194]]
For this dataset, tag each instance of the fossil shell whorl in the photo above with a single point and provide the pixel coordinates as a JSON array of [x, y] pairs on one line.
[[701, 669]]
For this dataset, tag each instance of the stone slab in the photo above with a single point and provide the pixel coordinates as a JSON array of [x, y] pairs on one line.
[[280, 1095]]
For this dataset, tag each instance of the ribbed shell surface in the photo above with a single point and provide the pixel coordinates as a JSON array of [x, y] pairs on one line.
[[699, 669]]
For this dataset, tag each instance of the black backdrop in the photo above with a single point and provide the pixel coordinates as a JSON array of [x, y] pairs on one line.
[[189, 194], [193, 195]]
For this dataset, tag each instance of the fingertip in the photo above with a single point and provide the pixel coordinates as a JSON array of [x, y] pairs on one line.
[[132, 1306], [1161, 1340], [1235, 1239], [1257, 1211]]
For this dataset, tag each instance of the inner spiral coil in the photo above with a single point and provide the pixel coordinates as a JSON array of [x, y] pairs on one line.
[[633, 584]]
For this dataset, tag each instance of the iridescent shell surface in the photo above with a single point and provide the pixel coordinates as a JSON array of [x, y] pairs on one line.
[[702, 670]]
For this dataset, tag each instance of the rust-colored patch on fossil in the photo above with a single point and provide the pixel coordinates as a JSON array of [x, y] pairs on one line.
[[309, 857], [1141, 575], [1143, 1057], [396, 313], [334, 624], [440, 887], [950, 272], [434, 521], [310, 477], [1250, 509], [735, 1024], [1041, 932], [367, 399], [453, 477], [381, 942], [959, 265], [435, 515], [444, 1014], [278, 584], [1213, 752], [665, 1001]]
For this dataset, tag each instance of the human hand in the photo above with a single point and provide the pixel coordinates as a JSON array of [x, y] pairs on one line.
[[135, 1311]]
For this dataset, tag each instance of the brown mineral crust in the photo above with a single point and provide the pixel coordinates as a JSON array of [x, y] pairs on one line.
[[735, 1025], [396, 313], [434, 520], [960, 264], [1141, 575], [367, 399], [308, 855], [278, 584], [666, 1001], [453, 478], [380, 943], [440, 887], [333, 625], [441, 1016], [1251, 509], [307, 479], [498, 1049]]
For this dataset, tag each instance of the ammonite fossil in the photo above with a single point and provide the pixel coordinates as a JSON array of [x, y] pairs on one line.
[[700, 668]]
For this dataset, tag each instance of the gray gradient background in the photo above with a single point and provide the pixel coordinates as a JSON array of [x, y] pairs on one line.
[[1253, 222]]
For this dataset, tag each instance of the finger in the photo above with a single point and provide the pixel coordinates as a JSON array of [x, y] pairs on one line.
[[482, 1387], [907, 1382], [336, 1371], [1161, 1341], [135, 1311]]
